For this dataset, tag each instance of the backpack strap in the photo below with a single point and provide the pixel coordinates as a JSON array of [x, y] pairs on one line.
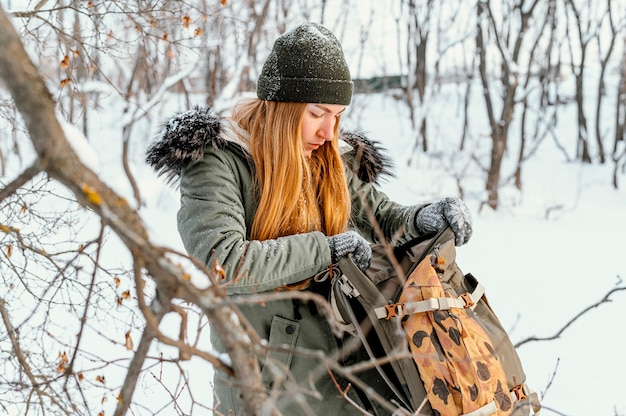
[[466, 300]]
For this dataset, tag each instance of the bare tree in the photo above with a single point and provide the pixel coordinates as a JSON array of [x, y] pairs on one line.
[[418, 31], [585, 34], [61, 247], [619, 141], [508, 46]]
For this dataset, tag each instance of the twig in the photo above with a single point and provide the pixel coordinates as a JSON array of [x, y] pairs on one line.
[[28, 174], [344, 394], [21, 358], [604, 299]]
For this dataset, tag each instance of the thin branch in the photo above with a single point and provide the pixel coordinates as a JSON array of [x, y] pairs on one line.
[[605, 299], [21, 358], [20, 181], [136, 364]]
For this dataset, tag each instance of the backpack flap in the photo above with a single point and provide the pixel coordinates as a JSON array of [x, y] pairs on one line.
[[355, 299]]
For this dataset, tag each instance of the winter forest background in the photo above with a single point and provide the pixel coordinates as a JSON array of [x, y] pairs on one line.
[[518, 106]]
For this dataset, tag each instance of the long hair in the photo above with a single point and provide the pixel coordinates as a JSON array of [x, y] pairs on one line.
[[295, 193]]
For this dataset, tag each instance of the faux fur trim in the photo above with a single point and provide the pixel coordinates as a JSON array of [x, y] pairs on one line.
[[370, 161], [183, 138]]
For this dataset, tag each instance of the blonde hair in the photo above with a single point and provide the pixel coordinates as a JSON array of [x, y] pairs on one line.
[[295, 193]]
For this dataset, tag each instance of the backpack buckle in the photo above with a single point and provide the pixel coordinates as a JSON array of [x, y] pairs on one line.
[[467, 298], [393, 310], [520, 394]]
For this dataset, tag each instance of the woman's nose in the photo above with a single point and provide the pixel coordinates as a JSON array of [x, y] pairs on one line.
[[327, 129]]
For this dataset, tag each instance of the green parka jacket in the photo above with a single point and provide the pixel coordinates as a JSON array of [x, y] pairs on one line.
[[217, 207]]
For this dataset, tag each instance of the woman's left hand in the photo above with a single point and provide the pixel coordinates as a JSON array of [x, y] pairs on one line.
[[450, 211]]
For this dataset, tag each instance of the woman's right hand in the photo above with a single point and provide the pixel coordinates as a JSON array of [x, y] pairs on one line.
[[350, 242]]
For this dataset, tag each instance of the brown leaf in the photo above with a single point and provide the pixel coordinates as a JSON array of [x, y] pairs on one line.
[[62, 362], [129, 342], [186, 22], [65, 63]]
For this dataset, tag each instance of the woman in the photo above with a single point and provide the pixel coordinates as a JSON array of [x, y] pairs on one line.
[[276, 195]]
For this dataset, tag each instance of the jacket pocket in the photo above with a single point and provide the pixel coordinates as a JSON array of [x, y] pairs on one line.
[[282, 340]]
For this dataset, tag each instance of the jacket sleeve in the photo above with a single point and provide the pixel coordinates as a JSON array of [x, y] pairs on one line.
[[378, 218], [216, 205]]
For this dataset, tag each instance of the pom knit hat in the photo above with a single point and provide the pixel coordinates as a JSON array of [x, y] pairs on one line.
[[306, 65]]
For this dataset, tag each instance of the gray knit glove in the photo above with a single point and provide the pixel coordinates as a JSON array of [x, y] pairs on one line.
[[447, 211], [350, 242]]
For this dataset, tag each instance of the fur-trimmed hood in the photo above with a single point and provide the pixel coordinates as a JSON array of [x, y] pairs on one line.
[[183, 138]]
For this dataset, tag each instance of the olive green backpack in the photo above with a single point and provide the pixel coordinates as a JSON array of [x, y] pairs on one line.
[[431, 332]]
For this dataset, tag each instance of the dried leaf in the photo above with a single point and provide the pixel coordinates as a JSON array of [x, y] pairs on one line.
[[219, 270], [9, 250], [65, 63], [170, 53], [62, 362], [197, 32], [126, 295], [165, 36], [117, 281], [100, 379], [186, 22], [81, 376], [223, 2], [65, 82], [129, 342]]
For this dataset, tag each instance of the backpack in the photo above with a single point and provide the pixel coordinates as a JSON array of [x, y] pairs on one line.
[[430, 331]]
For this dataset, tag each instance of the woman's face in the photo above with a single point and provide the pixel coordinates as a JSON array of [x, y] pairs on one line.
[[318, 125]]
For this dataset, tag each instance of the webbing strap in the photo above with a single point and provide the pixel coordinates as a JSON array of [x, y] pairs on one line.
[[466, 300], [487, 410]]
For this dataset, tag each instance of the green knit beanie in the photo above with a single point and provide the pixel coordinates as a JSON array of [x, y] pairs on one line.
[[306, 65]]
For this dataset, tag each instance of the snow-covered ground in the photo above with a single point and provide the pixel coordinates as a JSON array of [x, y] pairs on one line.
[[550, 251]]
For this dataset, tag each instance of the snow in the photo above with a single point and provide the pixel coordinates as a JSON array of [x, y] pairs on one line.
[[551, 249], [77, 140], [549, 252]]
